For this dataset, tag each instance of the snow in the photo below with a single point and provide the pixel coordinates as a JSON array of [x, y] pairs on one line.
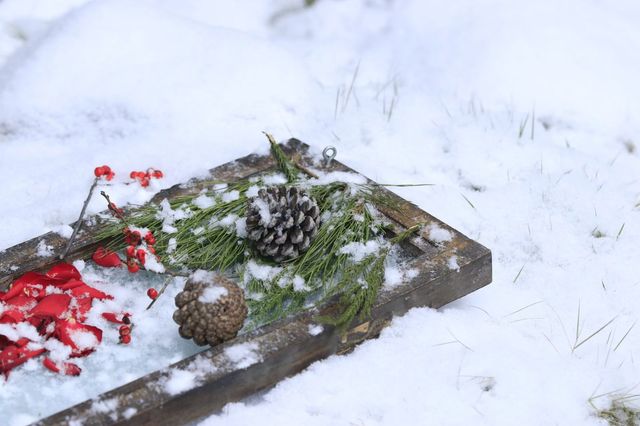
[[359, 251], [212, 294], [263, 210], [179, 380], [154, 338], [315, 329], [520, 114], [438, 234], [203, 201], [43, 249], [243, 355], [202, 276]]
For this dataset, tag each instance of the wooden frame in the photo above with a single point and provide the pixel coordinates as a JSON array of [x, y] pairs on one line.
[[285, 347]]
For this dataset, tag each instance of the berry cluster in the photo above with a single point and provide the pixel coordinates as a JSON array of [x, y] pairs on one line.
[[104, 171], [126, 327], [137, 248], [145, 177]]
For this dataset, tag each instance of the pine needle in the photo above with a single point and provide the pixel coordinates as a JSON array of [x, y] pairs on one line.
[[285, 164]]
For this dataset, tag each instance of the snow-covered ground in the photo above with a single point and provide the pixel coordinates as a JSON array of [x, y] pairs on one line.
[[524, 116]]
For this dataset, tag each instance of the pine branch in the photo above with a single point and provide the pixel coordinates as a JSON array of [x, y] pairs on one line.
[[285, 164]]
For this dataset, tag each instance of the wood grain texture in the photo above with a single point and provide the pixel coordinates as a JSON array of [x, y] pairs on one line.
[[284, 347]]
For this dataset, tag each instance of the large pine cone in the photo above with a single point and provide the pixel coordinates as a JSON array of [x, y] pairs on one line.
[[211, 309], [282, 222]]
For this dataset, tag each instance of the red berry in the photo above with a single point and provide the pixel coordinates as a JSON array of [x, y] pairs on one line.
[[126, 339], [133, 174], [126, 319], [124, 330], [141, 175], [131, 251], [141, 255], [149, 238], [98, 171], [158, 174], [106, 168], [152, 293], [151, 249], [133, 266], [144, 182], [110, 175]]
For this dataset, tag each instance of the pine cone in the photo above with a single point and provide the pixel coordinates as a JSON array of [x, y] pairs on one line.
[[211, 309], [282, 222]]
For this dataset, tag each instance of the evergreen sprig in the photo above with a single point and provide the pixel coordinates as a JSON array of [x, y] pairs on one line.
[[209, 236]]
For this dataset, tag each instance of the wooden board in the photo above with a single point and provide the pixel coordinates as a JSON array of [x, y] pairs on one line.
[[284, 347]]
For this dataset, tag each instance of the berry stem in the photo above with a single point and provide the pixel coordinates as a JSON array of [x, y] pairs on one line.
[[164, 287], [78, 225]]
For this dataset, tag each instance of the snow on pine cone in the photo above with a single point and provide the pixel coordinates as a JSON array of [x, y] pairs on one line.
[[211, 309], [282, 222]]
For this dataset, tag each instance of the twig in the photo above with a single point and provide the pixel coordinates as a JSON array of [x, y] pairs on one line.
[[79, 222], [164, 287]]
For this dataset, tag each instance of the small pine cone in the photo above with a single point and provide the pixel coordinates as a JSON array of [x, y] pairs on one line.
[[211, 309], [282, 222]]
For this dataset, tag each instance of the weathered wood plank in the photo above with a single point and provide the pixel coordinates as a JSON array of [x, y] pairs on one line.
[[284, 347]]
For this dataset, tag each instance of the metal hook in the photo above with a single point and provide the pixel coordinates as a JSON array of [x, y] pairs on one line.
[[329, 153]]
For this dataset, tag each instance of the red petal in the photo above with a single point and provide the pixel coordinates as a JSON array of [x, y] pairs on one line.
[[71, 284], [64, 330], [66, 368], [50, 365], [21, 302], [87, 291], [106, 258], [12, 357], [64, 271], [112, 317], [53, 305]]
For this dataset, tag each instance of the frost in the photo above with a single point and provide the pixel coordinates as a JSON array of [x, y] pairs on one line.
[[212, 294], [243, 355], [438, 234]]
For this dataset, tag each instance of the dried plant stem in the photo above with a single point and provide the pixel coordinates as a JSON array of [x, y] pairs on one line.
[[78, 225]]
